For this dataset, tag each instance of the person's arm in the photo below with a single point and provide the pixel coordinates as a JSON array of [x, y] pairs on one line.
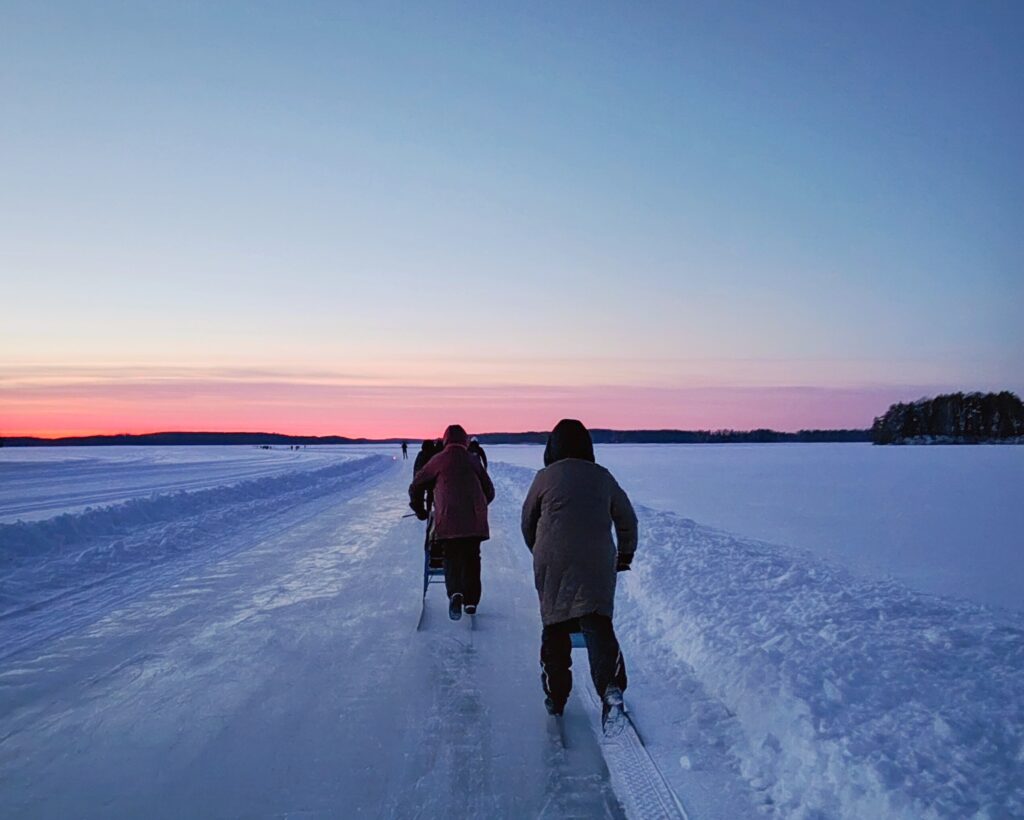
[[624, 518], [531, 513], [485, 480], [422, 482]]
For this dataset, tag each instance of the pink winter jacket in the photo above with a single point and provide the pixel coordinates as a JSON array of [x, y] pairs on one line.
[[462, 491]]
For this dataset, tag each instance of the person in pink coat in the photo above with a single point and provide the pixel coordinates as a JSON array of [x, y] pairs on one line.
[[461, 491]]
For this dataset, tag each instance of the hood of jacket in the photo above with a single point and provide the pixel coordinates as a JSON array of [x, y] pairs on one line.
[[455, 434], [569, 439]]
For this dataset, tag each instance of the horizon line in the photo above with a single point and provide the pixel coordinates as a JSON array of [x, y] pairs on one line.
[[400, 438]]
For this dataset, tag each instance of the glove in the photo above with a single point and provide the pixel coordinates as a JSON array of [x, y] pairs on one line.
[[420, 511], [622, 565]]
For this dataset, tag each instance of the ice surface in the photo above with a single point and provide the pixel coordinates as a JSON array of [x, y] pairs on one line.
[[39, 482], [245, 645], [830, 693], [945, 520], [273, 669], [54, 561]]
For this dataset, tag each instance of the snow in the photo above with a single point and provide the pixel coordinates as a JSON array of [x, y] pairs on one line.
[[229, 632], [855, 698], [942, 520], [272, 668], [38, 482], [52, 560]]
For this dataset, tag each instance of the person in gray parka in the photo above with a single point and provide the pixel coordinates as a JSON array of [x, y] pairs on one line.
[[567, 524]]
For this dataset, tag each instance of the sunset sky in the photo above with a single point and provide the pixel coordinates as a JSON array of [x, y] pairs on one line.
[[373, 219]]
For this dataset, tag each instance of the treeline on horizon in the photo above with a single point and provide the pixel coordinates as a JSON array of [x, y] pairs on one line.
[[601, 436], [953, 418]]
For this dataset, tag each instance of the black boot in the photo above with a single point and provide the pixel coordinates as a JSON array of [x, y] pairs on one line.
[[455, 606]]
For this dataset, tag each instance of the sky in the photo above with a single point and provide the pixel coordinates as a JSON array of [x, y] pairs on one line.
[[376, 219]]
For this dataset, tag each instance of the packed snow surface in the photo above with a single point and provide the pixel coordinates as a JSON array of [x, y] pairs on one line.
[[38, 482], [259, 657], [187, 632]]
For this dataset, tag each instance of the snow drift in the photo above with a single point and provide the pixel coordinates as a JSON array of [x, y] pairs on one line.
[[857, 698], [42, 561]]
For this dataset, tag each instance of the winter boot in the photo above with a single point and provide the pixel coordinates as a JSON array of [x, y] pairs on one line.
[[613, 714], [470, 609], [455, 606], [554, 708]]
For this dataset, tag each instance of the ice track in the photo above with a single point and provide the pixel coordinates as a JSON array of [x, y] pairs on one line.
[[248, 648], [284, 677]]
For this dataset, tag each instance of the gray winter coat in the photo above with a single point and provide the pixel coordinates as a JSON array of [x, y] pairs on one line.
[[567, 523]]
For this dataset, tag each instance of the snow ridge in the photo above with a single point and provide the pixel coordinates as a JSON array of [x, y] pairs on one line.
[[43, 561], [857, 698], [854, 698]]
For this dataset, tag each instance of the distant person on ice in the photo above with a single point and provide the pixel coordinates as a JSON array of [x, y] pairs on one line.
[[405, 451], [567, 522], [462, 490]]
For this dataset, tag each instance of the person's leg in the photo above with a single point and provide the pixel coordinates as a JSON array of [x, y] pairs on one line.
[[556, 664], [454, 563], [471, 588], [606, 663]]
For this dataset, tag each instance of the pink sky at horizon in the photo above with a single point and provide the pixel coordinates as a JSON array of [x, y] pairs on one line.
[[140, 405]]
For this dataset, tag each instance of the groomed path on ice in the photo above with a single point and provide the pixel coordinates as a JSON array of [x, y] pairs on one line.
[[277, 671]]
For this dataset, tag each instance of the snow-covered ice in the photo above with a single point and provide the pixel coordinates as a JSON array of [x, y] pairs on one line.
[[39, 482], [227, 635], [268, 665], [945, 520]]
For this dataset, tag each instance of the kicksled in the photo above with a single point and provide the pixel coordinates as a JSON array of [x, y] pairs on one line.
[[433, 572]]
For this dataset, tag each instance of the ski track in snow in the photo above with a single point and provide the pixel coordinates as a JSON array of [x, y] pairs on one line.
[[247, 647]]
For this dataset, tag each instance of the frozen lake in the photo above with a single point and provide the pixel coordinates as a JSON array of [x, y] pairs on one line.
[[229, 631], [943, 520]]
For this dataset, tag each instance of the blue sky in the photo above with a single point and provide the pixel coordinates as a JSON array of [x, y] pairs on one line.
[[586, 195]]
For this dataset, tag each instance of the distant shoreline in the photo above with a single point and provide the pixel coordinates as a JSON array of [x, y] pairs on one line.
[[601, 436]]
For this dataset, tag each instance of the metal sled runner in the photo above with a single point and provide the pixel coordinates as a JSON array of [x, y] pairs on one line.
[[431, 575]]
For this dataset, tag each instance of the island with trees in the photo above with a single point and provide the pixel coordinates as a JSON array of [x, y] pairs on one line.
[[953, 418]]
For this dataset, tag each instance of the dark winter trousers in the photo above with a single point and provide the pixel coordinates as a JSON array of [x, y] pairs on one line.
[[462, 568], [606, 664]]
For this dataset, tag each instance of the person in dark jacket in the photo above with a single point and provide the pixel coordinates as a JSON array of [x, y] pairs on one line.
[[567, 523], [427, 451], [462, 490], [478, 451]]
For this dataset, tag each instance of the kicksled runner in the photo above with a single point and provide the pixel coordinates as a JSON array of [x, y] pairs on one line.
[[636, 779], [433, 568]]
